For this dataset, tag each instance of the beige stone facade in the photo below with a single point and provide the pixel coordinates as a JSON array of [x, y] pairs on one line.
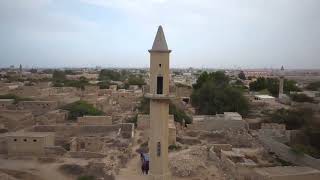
[[159, 108], [38, 107], [5, 103], [143, 123], [95, 120], [15, 119], [172, 138], [228, 120], [29, 143]]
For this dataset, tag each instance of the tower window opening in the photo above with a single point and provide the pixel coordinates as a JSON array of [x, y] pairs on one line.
[[159, 85], [159, 65], [158, 149]]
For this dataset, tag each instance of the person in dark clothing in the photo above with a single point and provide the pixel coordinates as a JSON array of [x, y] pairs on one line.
[[147, 167], [143, 168]]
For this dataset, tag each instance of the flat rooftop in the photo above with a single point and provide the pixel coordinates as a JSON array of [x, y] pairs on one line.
[[28, 134], [6, 100], [264, 96], [286, 171]]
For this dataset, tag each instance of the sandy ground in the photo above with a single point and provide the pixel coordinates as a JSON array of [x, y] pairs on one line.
[[43, 171]]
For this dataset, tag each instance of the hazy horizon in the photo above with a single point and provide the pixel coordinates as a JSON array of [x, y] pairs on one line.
[[202, 34]]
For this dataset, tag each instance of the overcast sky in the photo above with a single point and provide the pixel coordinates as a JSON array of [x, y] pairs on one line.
[[201, 33]]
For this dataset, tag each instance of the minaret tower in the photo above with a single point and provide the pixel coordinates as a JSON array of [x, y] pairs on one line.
[[159, 108], [20, 71], [281, 82]]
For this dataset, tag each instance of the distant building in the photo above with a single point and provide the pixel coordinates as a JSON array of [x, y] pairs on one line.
[[29, 143], [264, 98]]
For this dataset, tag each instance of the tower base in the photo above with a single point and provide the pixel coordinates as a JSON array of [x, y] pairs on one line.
[[166, 176]]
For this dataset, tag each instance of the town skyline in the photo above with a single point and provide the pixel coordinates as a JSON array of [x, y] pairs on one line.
[[209, 34]]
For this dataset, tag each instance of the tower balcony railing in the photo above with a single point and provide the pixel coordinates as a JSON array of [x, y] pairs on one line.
[[159, 96]]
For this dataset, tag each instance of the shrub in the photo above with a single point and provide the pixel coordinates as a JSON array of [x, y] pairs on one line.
[[179, 115], [81, 108], [301, 98], [293, 118], [174, 147]]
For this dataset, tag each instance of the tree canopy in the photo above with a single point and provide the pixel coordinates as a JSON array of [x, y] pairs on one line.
[[213, 94], [59, 80], [136, 80], [179, 115], [241, 75], [81, 108], [293, 118], [109, 75], [272, 85]]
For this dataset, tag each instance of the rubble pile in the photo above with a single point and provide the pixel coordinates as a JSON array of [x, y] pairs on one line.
[[188, 162]]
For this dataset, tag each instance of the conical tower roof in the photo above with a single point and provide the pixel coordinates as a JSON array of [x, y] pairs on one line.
[[160, 43]]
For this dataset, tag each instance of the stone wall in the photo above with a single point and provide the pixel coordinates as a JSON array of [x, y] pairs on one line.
[[38, 107], [143, 121], [75, 130], [218, 122], [95, 120], [85, 154], [29, 143], [285, 152], [54, 151], [14, 120]]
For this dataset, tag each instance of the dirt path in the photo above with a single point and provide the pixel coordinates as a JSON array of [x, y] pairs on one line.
[[133, 168]]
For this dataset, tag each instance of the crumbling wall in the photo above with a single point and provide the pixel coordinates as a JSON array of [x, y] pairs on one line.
[[75, 130], [86, 154], [38, 107], [143, 121], [95, 120], [218, 122], [285, 152], [54, 151]]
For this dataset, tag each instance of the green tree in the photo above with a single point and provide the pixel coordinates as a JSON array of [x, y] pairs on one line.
[[272, 85], [212, 98], [104, 84], [108, 74], [179, 115], [58, 75], [81, 108], [212, 94], [293, 118], [218, 78], [241, 75], [135, 80]]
